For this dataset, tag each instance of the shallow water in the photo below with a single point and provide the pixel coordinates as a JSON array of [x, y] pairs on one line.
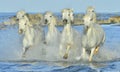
[[107, 60]]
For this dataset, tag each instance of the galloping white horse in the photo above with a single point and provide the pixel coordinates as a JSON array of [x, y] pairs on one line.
[[29, 33], [70, 40], [53, 35], [27, 30], [93, 37]]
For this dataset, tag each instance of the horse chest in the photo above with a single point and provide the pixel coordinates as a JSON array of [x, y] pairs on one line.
[[52, 31], [67, 34], [29, 33], [68, 30], [92, 37]]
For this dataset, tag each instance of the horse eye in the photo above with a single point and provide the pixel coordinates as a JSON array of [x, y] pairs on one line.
[[68, 14], [91, 19], [50, 16]]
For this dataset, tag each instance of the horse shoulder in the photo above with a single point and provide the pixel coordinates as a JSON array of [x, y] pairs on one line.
[[92, 37]]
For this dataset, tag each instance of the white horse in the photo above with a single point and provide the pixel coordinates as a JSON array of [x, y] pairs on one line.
[[93, 37], [30, 35], [26, 28], [53, 35], [70, 40]]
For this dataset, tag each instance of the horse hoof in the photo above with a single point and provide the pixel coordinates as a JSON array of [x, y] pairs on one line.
[[65, 56]]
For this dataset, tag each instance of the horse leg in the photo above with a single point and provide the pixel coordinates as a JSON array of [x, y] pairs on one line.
[[30, 40], [82, 55], [91, 54], [60, 50], [96, 50], [24, 51], [67, 51], [25, 46]]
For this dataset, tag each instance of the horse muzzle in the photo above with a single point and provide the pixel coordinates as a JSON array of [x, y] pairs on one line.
[[20, 31], [46, 21], [65, 21]]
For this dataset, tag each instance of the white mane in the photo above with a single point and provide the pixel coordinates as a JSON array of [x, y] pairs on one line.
[[31, 35]]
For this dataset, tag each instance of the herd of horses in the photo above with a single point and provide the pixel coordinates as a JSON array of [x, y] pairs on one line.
[[89, 41]]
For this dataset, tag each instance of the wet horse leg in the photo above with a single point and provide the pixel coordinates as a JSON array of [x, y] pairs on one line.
[[96, 50], [82, 55], [60, 50], [67, 51], [26, 45], [91, 54], [25, 50]]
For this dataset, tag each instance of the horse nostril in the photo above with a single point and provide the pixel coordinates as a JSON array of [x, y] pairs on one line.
[[17, 19], [65, 21], [20, 31], [46, 21]]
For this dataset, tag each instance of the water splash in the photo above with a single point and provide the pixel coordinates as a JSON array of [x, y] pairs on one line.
[[11, 46]]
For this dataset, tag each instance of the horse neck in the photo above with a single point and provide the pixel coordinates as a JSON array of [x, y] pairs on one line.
[[29, 30], [68, 27], [87, 28], [52, 24]]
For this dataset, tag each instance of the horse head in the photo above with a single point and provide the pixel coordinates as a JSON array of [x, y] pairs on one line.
[[23, 24], [20, 14], [90, 9], [67, 16], [49, 18]]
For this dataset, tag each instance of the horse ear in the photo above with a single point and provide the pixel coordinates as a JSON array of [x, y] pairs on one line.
[[71, 10], [63, 10]]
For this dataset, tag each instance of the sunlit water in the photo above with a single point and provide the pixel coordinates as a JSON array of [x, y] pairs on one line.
[[107, 59]]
